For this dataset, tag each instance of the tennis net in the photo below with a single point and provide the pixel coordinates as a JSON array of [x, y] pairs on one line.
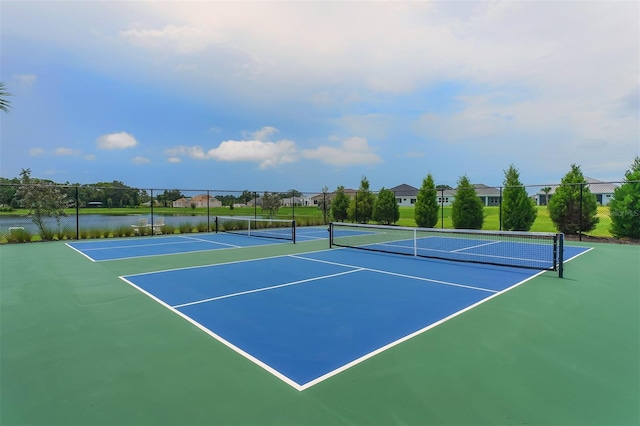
[[280, 229], [533, 250]]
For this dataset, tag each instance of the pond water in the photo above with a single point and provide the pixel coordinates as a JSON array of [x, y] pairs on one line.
[[90, 221]]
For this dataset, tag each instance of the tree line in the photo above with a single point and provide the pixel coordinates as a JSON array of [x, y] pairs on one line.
[[572, 209]]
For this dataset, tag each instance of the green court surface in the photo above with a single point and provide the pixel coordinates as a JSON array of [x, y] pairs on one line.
[[81, 347]]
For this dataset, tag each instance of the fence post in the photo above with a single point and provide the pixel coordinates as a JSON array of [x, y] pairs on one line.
[[442, 208], [77, 214], [151, 190], [580, 223], [500, 209], [255, 204], [208, 212]]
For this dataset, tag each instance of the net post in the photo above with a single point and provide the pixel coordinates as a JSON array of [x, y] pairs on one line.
[[415, 243], [560, 255], [216, 224], [293, 231], [330, 234]]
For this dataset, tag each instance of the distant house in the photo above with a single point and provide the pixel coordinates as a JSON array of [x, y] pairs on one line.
[[198, 200], [489, 196], [602, 190], [317, 200], [406, 195], [299, 201], [94, 204]]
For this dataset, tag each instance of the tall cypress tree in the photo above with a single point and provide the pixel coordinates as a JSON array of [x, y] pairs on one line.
[[467, 208], [361, 207], [565, 205], [385, 207], [340, 205], [518, 209], [625, 206], [426, 210]]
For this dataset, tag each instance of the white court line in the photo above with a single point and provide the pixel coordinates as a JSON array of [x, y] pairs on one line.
[[409, 336], [219, 338], [476, 246], [396, 274], [276, 373], [257, 290], [81, 252]]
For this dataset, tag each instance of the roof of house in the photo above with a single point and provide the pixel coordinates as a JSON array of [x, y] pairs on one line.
[[482, 190], [404, 190], [595, 187]]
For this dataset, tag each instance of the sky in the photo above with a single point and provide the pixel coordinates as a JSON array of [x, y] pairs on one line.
[[304, 95]]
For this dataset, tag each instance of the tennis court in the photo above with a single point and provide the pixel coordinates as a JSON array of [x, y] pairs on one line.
[[230, 329]]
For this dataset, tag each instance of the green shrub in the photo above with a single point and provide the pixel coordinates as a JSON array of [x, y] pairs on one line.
[[185, 228], [19, 236]]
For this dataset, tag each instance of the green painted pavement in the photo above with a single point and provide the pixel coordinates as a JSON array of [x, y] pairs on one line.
[[81, 347]]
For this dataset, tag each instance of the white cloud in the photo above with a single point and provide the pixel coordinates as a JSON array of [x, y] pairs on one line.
[[35, 152], [255, 150], [263, 134], [90, 157], [174, 160], [353, 151], [140, 160], [174, 39], [25, 80], [120, 140], [62, 151], [267, 154]]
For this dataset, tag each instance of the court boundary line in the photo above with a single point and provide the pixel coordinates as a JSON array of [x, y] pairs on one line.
[[217, 337], [397, 274], [411, 335], [169, 254], [287, 380], [261, 289]]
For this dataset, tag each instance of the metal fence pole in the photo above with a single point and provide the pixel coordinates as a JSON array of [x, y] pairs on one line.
[[442, 208], [77, 214], [580, 222], [500, 209], [208, 212], [151, 190]]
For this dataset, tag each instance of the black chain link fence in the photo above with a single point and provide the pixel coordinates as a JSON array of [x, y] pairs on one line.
[[91, 212]]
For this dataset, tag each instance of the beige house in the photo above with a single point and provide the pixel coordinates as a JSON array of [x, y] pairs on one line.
[[198, 201]]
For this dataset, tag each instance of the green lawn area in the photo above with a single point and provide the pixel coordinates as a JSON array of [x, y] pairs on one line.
[[543, 222], [306, 216]]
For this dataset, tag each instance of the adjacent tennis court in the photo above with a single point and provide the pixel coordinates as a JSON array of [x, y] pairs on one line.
[[359, 325]]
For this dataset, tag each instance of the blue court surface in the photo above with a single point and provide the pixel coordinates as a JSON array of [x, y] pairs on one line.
[[307, 317], [118, 249]]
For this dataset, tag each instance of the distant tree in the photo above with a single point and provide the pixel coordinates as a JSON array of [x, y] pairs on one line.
[[467, 208], [270, 203], [5, 105], [518, 209], [385, 207], [168, 197], [439, 187], [546, 190], [246, 196], [625, 206], [8, 191], [564, 207], [426, 210], [340, 205], [42, 199], [361, 207], [324, 203]]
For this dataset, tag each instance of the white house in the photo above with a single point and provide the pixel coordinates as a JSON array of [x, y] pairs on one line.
[[406, 195], [602, 190], [489, 196]]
